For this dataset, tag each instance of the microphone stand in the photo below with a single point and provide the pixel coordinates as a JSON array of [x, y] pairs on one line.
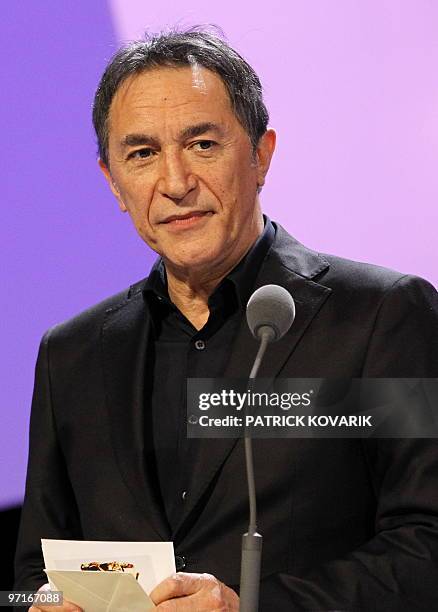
[[252, 541]]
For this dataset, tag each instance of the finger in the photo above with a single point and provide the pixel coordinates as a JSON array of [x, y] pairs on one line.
[[207, 599], [67, 606], [188, 603], [177, 585]]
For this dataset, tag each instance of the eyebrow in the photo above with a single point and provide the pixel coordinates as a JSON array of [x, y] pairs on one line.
[[192, 131], [135, 140]]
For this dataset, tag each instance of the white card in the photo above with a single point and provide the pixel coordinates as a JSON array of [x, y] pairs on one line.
[[145, 564]]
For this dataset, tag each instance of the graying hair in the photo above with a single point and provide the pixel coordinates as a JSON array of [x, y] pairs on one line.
[[177, 49]]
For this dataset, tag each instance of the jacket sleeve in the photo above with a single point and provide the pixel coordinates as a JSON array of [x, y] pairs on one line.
[[397, 570], [49, 509]]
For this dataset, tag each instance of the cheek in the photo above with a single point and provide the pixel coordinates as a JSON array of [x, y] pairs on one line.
[[239, 194], [225, 186], [139, 203]]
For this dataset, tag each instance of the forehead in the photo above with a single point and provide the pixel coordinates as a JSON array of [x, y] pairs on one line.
[[171, 96]]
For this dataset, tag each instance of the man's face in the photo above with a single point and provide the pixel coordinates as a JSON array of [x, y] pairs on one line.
[[184, 168]]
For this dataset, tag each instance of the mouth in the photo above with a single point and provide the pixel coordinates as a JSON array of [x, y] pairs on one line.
[[187, 220]]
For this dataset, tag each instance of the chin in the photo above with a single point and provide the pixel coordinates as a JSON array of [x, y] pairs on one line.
[[198, 258]]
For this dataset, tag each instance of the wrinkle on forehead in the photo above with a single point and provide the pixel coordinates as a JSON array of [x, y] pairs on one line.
[[199, 77], [172, 97]]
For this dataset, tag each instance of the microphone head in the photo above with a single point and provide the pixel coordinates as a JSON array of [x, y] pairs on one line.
[[271, 306]]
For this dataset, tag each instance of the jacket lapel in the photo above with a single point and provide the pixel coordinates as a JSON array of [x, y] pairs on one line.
[[294, 267], [309, 296], [125, 340]]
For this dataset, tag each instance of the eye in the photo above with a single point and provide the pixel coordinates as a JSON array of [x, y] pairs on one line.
[[141, 154], [204, 145]]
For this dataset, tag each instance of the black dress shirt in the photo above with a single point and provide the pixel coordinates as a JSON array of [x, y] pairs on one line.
[[180, 351]]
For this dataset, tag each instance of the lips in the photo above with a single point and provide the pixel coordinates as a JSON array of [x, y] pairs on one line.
[[187, 218]]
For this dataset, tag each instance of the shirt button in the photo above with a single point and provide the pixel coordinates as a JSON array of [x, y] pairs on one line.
[[184, 495], [180, 563], [200, 345]]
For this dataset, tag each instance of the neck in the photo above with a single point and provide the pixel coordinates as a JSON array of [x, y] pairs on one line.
[[190, 289]]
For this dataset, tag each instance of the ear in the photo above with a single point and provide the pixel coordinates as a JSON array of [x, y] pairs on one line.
[[264, 151], [112, 184]]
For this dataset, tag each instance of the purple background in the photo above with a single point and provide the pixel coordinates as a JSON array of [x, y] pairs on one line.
[[352, 89]]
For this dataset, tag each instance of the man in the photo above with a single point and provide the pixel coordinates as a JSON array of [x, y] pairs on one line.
[[348, 524]]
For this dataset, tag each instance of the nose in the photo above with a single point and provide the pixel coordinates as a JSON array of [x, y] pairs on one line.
[[176, 179]]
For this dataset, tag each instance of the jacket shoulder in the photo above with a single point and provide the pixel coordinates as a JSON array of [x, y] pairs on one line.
[[90, 320], [358, 274], [365, 279], [350, 280]]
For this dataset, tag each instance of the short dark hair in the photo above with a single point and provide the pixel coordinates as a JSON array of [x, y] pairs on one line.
[[177, 49]]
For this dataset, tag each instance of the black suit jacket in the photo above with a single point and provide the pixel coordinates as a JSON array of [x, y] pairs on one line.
[[348, 524]]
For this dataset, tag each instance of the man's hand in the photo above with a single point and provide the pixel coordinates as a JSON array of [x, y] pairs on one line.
[[194, 593], [67, 606]]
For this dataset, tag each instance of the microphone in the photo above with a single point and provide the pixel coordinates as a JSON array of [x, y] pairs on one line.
[[272, 307], [270, 313]]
